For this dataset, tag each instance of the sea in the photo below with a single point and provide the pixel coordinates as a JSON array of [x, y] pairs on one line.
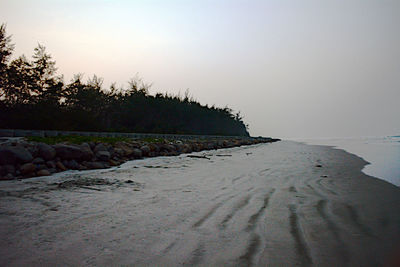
[[383, 154]]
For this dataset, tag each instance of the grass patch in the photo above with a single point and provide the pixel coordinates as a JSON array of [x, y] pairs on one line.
[[76, 139]]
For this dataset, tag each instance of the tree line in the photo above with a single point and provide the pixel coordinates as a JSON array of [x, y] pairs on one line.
[[33, 96]]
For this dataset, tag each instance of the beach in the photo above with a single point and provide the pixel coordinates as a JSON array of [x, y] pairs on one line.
[[276, 204]]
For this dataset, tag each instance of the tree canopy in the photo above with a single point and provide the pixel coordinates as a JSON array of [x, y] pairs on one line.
[[33, 96]]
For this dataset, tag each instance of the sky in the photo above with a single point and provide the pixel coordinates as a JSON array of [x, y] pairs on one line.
[[294, 69]]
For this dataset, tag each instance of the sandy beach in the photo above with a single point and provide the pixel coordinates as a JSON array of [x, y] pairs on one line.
[[278, 204]]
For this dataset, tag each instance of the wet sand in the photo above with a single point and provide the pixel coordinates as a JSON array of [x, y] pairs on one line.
[[279, 204]]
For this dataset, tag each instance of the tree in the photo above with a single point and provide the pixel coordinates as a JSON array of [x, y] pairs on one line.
[[6, 49], [43, 72], [17, 89]]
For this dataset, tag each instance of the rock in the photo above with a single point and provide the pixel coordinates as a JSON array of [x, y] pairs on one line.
[[40, 167], [52, 170], [51, 164], [187, 148], [168, 147], [82, 167], [46, 151], [103, 155], [179, 147], [43, 173], [27, 168], [68, 152], [154, 148], [38, 161], [113, 162], [119, 152], [9, 169], [137, 153], [145, 150], [71, 164], [94, 165], [9, 176], [60, 166], [14, 154], [87, 152], [127, 150], [92, 145], [153, 154], [100, 147]]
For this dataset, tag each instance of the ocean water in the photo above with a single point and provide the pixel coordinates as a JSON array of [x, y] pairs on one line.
[[383, 154]]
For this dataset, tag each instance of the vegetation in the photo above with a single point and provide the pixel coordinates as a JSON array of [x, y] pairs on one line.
[[76, 139], [33, 96]]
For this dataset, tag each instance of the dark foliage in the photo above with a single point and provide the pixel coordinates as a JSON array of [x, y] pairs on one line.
[[32, 96]]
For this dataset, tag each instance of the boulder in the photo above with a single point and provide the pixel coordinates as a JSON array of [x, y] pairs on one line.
[[137, 153], [46, 151], [43, 172], [40, 167], [145, 150], [100, 147], [187, 148], [9, 176], [60, 166], [95, 165], [179, 147], [68, 152], [87, 152], [154, 148], [113, 162], [51, 164], [14, 154], [27, 168], [71, 164], [103, 155], [125, 148], [38, 161], [119, 152], [9, 169], [168, 147], [153, 154]]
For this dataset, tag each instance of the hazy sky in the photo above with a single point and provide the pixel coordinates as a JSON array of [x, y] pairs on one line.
[[293, 68]]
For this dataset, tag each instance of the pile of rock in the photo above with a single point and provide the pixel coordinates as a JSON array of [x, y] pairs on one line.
[[21, 159]]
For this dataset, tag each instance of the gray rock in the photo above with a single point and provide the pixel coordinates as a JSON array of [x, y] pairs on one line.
[[9, 169], [71, 164], [95, 165], [27, 168], [9, 176], [38, 161], [119, 152], [60, 166], [137, 153], [43, 172], [145, 150], [125, 148], [154, 148], [87, 152], [41, 167], [14, 154], [103, 155], [51, 164], [68, 152], [100, 147], [46, 151]]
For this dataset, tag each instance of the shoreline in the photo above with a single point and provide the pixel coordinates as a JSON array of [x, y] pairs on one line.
[[283, 203], [381, 153]]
